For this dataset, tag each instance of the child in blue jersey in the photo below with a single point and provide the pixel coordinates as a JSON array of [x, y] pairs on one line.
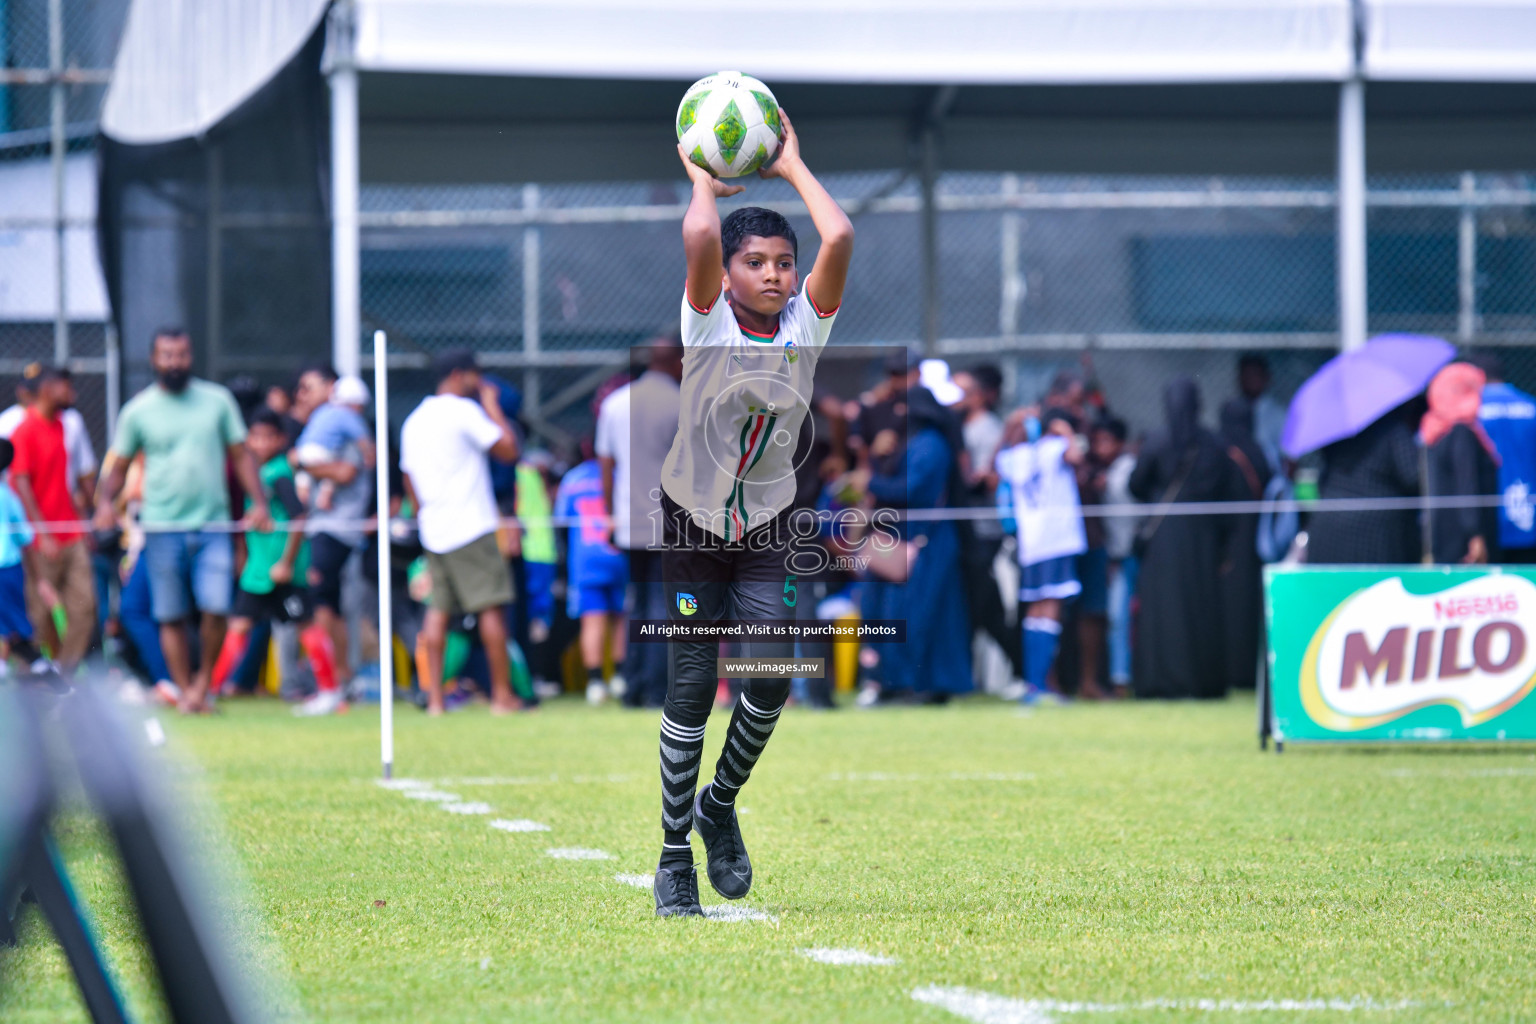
[[1038, 482], [597, 573]]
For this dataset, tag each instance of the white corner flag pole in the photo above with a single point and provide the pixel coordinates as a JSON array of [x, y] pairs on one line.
[[386, 594]]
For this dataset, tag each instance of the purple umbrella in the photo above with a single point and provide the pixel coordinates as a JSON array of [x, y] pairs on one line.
[[1354, 389]]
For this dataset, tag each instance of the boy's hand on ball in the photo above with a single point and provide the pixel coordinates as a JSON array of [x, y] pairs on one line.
[[699, 176], [789, 150]]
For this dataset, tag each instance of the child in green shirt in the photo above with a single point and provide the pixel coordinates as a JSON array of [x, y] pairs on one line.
[[272, 584]]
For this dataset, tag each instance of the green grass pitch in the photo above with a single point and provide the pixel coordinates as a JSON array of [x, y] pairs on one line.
[[1113, 854]]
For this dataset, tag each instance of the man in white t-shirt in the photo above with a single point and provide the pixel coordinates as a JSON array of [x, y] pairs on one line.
[[1038, 478], [443, 446], [727, 486], [635, 428], [80, 458]]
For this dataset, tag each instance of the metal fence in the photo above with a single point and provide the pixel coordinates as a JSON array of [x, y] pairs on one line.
[[1136, 279], [55, 60]]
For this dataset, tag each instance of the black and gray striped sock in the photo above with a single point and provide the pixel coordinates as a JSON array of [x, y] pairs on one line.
[[682, 748], [751, 725]]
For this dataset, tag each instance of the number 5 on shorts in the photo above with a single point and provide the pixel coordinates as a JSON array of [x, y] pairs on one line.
[[790, 596]]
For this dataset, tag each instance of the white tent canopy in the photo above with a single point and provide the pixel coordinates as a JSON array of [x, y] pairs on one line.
[[456, 90], [184, 67], [1450, 40], [890, 41]]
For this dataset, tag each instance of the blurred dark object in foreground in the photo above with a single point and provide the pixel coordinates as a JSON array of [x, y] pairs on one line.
[[41, 725]]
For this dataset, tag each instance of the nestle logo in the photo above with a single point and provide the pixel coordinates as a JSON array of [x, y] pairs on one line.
[[1476, 607]]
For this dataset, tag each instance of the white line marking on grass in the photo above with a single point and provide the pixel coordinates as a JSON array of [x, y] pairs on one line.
[[1462, 773], [638, 881], [519, 825], [848, 958], [435, 795], [471, 807], [401, 784], [986, 1008], [982, 1007], [535, 780], [930, 777], [726, 912], [577, 853]]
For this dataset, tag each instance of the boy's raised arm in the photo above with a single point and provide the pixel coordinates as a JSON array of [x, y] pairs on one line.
[[701, 234], [824, 284]]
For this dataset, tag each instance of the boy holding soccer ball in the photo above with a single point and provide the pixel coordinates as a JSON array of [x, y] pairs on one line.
[[752, 335]]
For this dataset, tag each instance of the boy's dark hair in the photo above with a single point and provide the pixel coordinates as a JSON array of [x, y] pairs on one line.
[[749, 221], [265, 416], [988, 376], [7, 453], [1114, 425], [1054, 413], [326, 371], [446, 364]]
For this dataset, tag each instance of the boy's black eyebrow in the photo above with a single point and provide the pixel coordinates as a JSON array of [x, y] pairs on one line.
[[748, 253]]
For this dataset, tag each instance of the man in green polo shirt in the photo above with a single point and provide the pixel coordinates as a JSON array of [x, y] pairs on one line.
[[189, 431]]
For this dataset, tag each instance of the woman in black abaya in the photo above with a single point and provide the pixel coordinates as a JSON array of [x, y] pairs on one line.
[[1179, 630]]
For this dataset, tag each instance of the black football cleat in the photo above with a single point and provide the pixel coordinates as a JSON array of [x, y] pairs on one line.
[[730, 872], [677, 892]]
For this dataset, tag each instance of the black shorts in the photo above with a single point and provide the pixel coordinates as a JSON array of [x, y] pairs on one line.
[[327, 557], [285, 603], [708, 578]]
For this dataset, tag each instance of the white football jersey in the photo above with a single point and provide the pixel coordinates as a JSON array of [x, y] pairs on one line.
[[1043, 489], [744, 398]]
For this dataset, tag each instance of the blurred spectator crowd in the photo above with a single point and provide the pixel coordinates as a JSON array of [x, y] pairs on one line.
[[227, 541]]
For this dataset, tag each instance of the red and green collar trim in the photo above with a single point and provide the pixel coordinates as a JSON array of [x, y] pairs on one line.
[[752, 335]]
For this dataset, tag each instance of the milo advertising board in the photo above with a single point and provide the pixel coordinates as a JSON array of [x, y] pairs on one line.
[[1386, 653]]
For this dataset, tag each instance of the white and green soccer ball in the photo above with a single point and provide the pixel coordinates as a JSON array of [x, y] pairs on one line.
[[729, 124]]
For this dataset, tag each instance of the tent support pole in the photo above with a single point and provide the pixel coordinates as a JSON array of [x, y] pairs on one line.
[[533, 382], [930, 230], [1351, 241], [1466, 262], [56, 152], [213, 343], [939, 105], [346, 286]]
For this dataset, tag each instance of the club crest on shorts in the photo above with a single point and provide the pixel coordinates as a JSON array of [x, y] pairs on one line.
[[687, 603]]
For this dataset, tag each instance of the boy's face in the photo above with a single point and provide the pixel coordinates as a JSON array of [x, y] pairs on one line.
[[310, 393], [762, 275], [1106, 446], [264, 442]]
